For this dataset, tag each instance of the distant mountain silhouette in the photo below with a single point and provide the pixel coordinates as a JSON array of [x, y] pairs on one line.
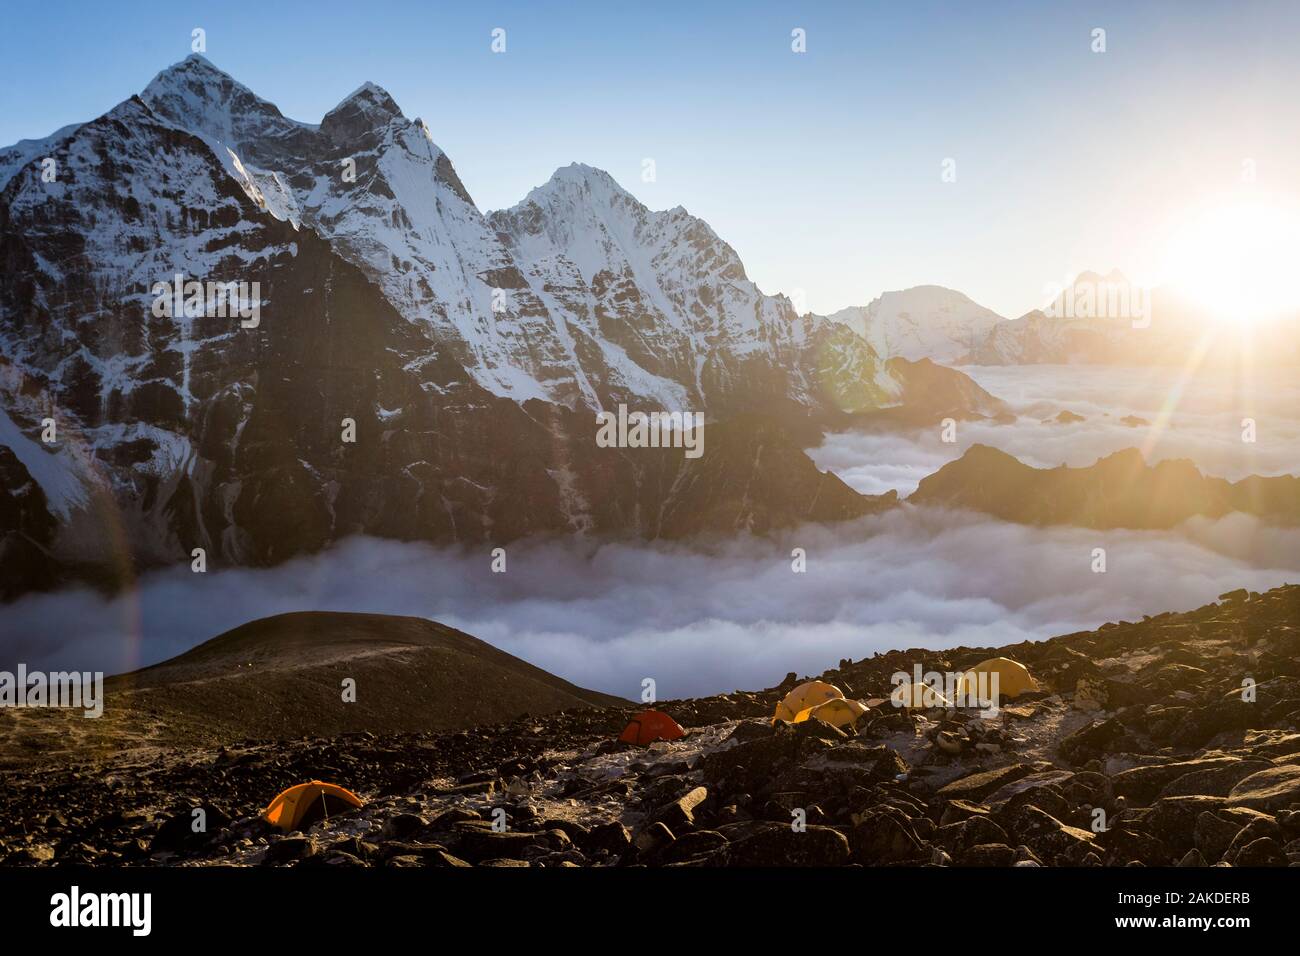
[[1119, 491]]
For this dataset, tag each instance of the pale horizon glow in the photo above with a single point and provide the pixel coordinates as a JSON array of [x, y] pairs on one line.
[[1239, 260]]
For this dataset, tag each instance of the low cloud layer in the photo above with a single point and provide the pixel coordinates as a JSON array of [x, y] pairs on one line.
[[697, 619], [1205, 412]]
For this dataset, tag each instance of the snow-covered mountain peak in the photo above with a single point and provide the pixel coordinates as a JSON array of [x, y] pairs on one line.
[[670, 301], [579, 187], [195, 68], [583, 175], [927, 321], [367, 108], [580, 294], [922, 295], [370, 92], [193, 90], [580, 184], [587, 200], [197, 96]]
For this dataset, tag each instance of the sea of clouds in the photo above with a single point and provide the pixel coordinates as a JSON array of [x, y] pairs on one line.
[[698, 619]]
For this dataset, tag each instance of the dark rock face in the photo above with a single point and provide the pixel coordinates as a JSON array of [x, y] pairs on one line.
[[1119, 491], [930, 393], [27, 531]]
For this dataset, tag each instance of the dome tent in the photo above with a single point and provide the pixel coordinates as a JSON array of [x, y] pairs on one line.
[[306, 803], [651, 725], [1014, 679], [806, 695], [917, 696], [838, 712]]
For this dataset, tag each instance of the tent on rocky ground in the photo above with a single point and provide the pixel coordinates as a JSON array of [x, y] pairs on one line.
[[919, 696], [306, 803], [1013, 679], [808, 694], [649, 726], [838, 712]]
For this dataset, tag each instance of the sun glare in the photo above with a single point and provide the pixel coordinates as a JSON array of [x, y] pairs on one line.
[[1239, 261]]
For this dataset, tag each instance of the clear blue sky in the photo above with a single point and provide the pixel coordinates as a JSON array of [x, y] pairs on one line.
[[822, 169]]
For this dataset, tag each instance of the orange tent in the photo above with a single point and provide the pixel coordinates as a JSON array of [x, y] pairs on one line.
[[306, 803], [649, 726]]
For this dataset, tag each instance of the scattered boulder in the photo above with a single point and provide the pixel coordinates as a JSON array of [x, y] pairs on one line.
[[402, 825], [988, 854], [189, 829], [1262, 852], [1144, 784], [883, 834], [679, 815], [653, 839], [978, 785], [957, 838], [698, 846], [1124, 844], [1172, 820], [479, 844], [1274, 789], [762, 843], [1052, 840], [289, 849], [612, 838], [1095, 740]]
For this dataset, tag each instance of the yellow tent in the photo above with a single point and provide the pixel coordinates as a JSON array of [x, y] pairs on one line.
[[918, 696], [808, 694], [838, 712], [304, 804], [1013, 679]]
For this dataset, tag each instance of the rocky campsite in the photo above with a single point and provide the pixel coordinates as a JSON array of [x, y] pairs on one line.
[[1170, 741]]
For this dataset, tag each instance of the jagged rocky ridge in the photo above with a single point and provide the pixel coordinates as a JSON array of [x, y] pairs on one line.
[[470, 351], [1140, 749], [1118, 491]]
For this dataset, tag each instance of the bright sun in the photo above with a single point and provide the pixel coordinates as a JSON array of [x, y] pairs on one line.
[[1240, 261]]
